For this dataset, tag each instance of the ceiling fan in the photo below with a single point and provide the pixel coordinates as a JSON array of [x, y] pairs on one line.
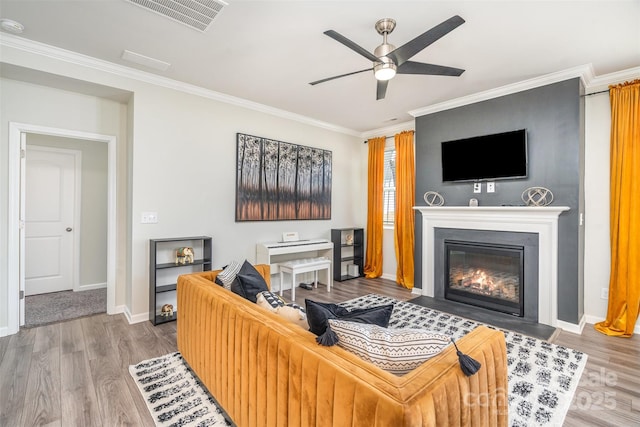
[[387, 60]]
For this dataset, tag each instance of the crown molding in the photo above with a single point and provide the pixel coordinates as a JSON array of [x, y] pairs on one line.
[[389, 130], [602, 82], [41, 49], [584, 72]]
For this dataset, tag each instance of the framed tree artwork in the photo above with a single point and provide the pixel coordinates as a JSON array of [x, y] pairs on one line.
[[278, 181]]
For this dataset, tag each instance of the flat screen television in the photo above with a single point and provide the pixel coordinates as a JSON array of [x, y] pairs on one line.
[[487, 157]]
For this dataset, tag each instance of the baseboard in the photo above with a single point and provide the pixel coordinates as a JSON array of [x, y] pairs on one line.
[[4, 331], [388, 276], [572, 327], [118, 309], [416, 291], [91, 287], [592, 320], [138, 318]]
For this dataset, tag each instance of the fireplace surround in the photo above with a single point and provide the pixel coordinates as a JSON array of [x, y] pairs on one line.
[[540, 221]]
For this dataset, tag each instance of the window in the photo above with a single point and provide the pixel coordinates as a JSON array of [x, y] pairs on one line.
[[389, 187]]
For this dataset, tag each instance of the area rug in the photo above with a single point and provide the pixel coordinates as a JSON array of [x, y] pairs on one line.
[[53, 307], [542, 377], [174, 395]]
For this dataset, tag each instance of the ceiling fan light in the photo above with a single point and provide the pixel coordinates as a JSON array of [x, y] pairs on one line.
[[385, 71]]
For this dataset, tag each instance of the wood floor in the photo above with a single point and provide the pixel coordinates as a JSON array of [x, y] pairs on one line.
[[75, 373]]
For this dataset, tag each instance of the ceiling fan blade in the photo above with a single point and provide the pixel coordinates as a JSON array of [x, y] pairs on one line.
[[337, 77], [406, 51], [381, 90], [411, 67], [351, 45]]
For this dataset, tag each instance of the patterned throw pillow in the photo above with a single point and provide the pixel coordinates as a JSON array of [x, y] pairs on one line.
[[395, 350], [297, 307], [269, 300], [228, 274]]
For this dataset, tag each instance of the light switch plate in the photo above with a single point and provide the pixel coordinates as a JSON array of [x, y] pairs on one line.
[[491, 187], [477, 187], [149, 218]]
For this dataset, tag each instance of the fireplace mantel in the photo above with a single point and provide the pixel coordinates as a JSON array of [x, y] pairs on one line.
[[540, 220]]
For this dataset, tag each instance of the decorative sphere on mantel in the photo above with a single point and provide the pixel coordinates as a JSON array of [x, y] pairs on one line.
[[537, 196], [433, 198]]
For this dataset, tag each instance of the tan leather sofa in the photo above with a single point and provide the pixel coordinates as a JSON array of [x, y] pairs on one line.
[[268, 372]]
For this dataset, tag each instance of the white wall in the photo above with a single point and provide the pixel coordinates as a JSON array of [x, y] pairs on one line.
[[184, 156], [181, 165], [389, 263], [597, 253]]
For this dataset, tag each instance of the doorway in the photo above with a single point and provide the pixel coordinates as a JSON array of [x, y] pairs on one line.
[[18, 133], [52, 200]]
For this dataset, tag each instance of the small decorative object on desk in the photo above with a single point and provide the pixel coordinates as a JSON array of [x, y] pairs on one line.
[[433, 198], [166, 310], [184, 255], [349, 239], [473, 202], [537, 196]]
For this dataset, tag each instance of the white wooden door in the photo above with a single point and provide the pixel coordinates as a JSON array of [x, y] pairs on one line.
[[50, 200]]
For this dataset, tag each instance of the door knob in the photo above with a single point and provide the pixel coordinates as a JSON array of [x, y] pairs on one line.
[[68, 229]]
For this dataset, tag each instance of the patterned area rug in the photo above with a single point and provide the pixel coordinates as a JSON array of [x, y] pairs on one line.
[[542, 377], [174, 395]]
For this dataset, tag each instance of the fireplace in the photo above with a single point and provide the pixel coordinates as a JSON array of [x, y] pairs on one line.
[[485, 275], [534, 228], [487, 271]]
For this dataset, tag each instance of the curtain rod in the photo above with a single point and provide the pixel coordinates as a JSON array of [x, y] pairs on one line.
[[386, 137], [595, 93]]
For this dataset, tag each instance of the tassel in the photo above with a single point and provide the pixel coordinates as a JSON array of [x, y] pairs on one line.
[[327, 339], [468, 364]]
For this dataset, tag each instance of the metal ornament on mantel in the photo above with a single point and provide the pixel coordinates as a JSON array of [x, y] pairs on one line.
[[433, 198], [537, 196]]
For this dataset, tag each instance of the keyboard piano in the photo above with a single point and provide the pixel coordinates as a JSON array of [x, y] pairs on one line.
[[274, 252]]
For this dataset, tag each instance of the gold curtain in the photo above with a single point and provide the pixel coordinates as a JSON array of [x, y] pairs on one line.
[[375, 209], [624, 279], [404, 214]]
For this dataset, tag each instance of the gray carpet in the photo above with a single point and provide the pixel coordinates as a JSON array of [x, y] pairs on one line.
[[59, 306]]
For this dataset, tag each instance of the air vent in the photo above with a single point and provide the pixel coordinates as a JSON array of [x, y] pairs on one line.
[[197, 14]]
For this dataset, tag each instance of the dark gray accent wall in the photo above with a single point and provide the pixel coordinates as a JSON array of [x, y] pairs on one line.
[[553, 116]]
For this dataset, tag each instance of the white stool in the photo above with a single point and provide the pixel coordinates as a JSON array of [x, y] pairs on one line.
[[304, 266]]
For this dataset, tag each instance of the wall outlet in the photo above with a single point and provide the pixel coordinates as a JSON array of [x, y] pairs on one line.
[[149, 218], [491, 187], [604, 293], [477, 187]]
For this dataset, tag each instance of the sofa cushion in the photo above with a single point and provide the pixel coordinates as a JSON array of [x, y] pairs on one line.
[[319, 313], [228, 274], [248, 282], [269, 300], [395, 350]]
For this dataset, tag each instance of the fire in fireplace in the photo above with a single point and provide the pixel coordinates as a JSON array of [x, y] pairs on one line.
[[485, 275]]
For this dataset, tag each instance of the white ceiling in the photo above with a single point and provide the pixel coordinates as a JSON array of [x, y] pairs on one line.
[[268, 51]]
